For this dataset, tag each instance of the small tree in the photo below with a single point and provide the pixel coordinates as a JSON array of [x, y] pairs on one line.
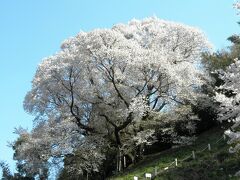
[[6, 173]]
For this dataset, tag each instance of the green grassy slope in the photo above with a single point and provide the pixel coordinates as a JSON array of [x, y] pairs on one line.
[[215, 164]]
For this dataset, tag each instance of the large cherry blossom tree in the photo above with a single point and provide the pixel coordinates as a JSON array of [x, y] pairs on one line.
[[99, 90]]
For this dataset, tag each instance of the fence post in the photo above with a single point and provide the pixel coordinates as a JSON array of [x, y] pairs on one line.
[[120, 161], [176, 162], [224, 137], [117, 163], [148, 175], [135, 178], [166, 168], [155, 171], [193, 155], [124, 161], [209, 147]]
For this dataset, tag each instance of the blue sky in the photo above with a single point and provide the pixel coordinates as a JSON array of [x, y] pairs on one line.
[[31, 30]]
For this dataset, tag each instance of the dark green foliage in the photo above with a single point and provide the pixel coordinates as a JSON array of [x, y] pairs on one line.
[[222, 59], [234, 39], [213, 62], [218, 60], [206, 109]]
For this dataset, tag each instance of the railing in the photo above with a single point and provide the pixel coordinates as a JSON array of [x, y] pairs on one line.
[[176, 162]]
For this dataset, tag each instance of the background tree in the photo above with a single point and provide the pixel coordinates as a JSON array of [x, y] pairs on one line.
[[228, 93], [228, 96], [216, 64]]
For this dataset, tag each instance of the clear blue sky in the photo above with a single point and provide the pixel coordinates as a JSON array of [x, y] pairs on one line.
[[31, 30]]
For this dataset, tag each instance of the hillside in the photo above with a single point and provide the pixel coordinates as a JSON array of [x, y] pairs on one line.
[[217, 163]]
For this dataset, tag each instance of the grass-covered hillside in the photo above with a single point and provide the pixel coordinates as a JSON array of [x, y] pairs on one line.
[[217, 163]]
